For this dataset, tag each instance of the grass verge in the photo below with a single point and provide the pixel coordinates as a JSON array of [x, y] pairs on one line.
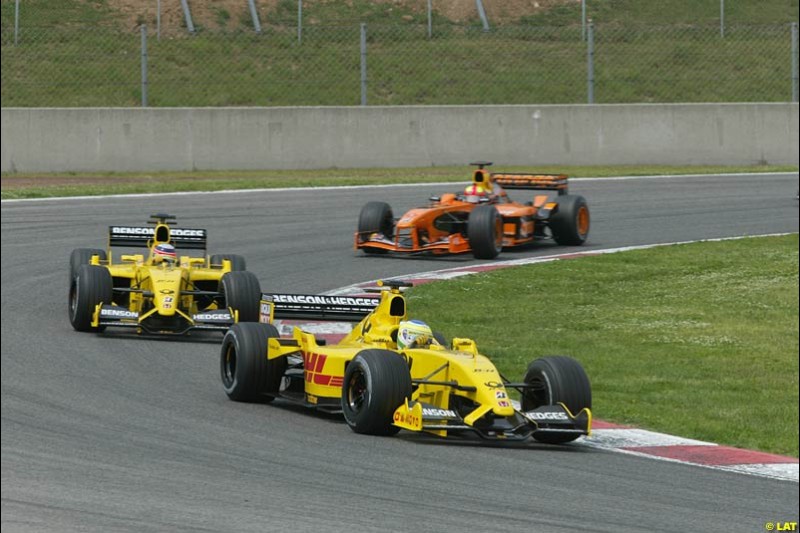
[[102, 66], [698, 340], [19, 186]]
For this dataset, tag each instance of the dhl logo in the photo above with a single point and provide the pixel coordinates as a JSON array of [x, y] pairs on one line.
[[406, 418], [314, 363]]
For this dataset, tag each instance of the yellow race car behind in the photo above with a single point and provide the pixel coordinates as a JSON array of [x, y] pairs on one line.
[[434, 387], [170, 290]]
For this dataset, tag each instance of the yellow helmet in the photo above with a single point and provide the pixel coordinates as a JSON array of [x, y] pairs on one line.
[[413, 332], [473, 193]]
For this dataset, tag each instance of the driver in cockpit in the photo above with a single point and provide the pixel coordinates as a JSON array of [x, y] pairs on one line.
[[164, 253]]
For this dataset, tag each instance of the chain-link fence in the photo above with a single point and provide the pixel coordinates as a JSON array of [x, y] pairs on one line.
[[397, 65]]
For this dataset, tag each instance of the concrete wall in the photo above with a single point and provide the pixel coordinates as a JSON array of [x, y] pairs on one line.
[[152, 139]]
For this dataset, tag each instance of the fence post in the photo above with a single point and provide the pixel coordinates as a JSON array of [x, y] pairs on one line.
[[254, 15], [590, 63], [144, 65], [722, 18], [482, 15], [299, 21], [583, 20], [430, 23], [187, 16], [363, 64], [794, 62], [16, 22]]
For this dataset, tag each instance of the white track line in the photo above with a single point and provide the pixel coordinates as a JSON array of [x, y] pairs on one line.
[[390, 185], [450, 273]]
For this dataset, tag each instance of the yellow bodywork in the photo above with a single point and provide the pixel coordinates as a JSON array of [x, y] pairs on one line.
[[439, 373], [147, 287]]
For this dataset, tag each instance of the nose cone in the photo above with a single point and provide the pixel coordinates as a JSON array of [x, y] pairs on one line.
[[507, 410], [166, 290]]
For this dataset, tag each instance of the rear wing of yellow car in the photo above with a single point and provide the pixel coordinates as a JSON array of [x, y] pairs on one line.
[[142, 236], [315, 307], [539, 182]]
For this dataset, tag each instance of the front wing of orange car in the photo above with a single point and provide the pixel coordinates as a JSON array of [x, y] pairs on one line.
[[409, 240]]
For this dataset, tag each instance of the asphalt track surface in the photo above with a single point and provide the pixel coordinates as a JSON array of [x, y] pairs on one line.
[[117, 433]]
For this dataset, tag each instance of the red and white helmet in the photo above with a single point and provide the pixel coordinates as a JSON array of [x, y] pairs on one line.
[[164, 252]]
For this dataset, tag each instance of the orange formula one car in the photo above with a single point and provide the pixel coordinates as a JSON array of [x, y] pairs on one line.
[[481, 220]]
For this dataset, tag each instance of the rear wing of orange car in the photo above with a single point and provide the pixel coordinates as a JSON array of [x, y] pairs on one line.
[[315, 307], [539, 182], [141, 236]]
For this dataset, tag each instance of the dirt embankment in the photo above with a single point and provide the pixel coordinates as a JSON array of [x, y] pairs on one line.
[[230, 14]]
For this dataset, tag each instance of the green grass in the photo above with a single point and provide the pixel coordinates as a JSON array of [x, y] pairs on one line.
[[16, 186], [99, 64], [627, 12], [56, 13], [698, 340]]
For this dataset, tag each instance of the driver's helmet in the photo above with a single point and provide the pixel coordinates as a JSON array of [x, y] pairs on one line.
[[473, 193], [164, 252], [413, 332]]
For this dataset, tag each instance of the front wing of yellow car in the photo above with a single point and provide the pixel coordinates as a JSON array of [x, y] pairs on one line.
[[521, 425], [151, 323]]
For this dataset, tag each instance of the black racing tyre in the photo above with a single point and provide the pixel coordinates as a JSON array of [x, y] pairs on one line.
[[237, 261], [485, 232], [571, 222], [82, 256], [375, 217], [91, 285], [241, 292], [376, 383], [247, 374], [559, 379]]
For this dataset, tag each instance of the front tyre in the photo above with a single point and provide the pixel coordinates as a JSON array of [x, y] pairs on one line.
[[92, 285], [242, 292], [376, 383], [571, 222], [247, 374], [375, 217], [557, 379], [238, 262], [485, 232], [82, 256]]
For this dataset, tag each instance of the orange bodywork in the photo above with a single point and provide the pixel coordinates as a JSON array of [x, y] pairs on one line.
[[440, 227]]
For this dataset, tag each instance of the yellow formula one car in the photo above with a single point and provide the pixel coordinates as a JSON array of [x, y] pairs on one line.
[[390, 373], [161, 292]]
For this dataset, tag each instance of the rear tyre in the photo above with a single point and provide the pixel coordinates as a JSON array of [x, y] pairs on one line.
[[375, 217], [247, 374], [485, 232], [571, 222], [237, 261], [376, 383], [242, 292], [558, 379], [91, 285], [82, 256]]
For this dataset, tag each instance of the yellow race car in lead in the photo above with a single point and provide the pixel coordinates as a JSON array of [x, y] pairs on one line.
[[382, 386]]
